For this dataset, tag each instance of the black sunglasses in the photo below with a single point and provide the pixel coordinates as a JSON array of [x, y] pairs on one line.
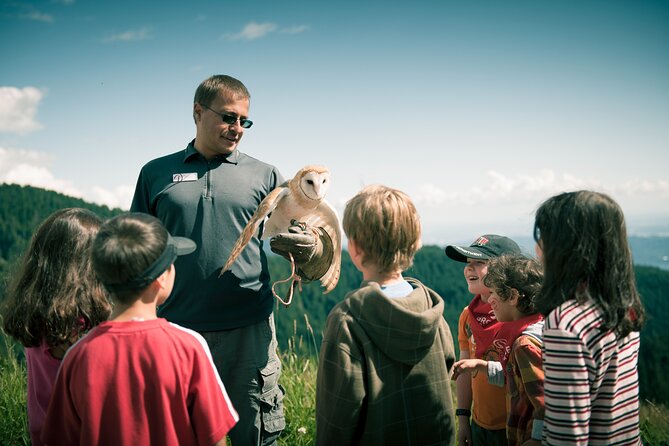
[[231, 119]]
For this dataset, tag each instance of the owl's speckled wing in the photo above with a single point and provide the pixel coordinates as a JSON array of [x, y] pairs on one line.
[[325, 216], [266, 206]]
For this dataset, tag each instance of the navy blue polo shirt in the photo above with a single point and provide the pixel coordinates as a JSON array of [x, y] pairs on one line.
[[210, 202]]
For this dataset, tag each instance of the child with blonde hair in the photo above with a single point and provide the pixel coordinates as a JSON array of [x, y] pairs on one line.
[[53, 300], [387, 352]]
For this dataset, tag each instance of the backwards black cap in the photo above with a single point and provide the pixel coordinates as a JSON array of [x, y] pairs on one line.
[[175, 246]]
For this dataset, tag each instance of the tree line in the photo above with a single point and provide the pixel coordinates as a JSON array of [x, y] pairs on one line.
[[23, 208]]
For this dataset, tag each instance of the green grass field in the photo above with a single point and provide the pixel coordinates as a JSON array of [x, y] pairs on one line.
[[14, 422], [298, 378]]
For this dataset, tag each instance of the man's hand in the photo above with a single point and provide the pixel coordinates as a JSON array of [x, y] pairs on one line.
[[310, 247]]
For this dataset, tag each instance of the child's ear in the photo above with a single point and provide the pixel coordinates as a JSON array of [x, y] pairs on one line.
[[356, 253], [353, 247], [515, 295], [164, 277]]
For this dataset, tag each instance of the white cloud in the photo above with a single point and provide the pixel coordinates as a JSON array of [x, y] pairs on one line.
[[119, 197], [143, 33], [18, 107], [25, 167], [498, 188], [431, 195], [505, 204], [642, 187], [295, 29], [25, 11], [31, 168], [38, 16], [253, 31]]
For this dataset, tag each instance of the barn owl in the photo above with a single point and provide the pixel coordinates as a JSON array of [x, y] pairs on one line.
[[300, 198]]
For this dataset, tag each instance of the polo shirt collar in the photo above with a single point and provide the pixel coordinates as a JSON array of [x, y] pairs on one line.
[[192, 152]]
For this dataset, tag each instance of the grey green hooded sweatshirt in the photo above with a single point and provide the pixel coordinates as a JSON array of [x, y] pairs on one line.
[[384, 370]]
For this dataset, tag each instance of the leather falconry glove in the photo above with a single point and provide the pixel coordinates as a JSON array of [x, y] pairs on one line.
[[311, 248]]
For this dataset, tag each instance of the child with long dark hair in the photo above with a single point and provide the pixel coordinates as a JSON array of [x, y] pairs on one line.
[[53, 299], [593, 317], [137, 379]]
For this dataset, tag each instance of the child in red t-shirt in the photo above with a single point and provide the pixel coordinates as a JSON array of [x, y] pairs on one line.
[[138, 379]]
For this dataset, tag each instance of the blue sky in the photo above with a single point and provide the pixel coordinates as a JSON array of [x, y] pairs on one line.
[[478, 110]]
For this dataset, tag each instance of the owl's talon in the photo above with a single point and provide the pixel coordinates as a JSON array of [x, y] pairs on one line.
[[302, 225]]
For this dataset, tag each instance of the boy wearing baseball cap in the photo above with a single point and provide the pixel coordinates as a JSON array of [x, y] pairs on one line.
[[138, 379], [477, 329]]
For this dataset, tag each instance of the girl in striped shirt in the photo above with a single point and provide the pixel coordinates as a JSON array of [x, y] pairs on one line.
[[593, 317]]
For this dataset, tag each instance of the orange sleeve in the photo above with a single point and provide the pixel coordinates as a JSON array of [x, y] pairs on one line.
[[464, 332], [489, 401]]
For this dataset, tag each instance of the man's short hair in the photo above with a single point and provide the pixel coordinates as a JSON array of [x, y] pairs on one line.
[[124, 248], [384, 224], [207, 91]]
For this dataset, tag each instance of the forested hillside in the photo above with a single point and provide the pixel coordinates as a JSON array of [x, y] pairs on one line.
[[23, 208], [433, 268]]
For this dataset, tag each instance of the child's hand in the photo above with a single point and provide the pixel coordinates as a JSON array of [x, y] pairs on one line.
[[468, 366]]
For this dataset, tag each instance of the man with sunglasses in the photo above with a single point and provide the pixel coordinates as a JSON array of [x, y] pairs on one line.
[[208, 192]]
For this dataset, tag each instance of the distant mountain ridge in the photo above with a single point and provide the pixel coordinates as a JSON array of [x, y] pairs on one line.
[[19, 220], [647, 251]]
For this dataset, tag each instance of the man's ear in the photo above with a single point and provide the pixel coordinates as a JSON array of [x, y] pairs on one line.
[[197, 112]]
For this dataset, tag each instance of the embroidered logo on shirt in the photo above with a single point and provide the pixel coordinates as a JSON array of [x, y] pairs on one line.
[[180, 177]]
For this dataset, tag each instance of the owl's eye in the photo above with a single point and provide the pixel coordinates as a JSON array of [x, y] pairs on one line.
[[310, 182]]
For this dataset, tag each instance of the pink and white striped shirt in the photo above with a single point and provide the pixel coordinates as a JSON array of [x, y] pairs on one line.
[[592, 384]]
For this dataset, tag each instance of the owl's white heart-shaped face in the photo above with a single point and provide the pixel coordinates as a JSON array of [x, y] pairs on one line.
[[315, 185]]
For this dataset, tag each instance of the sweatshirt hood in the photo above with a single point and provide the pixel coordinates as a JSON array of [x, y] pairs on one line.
[[403, 328]]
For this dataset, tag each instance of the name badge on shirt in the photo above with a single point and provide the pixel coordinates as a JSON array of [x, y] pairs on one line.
[[181, 177]]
